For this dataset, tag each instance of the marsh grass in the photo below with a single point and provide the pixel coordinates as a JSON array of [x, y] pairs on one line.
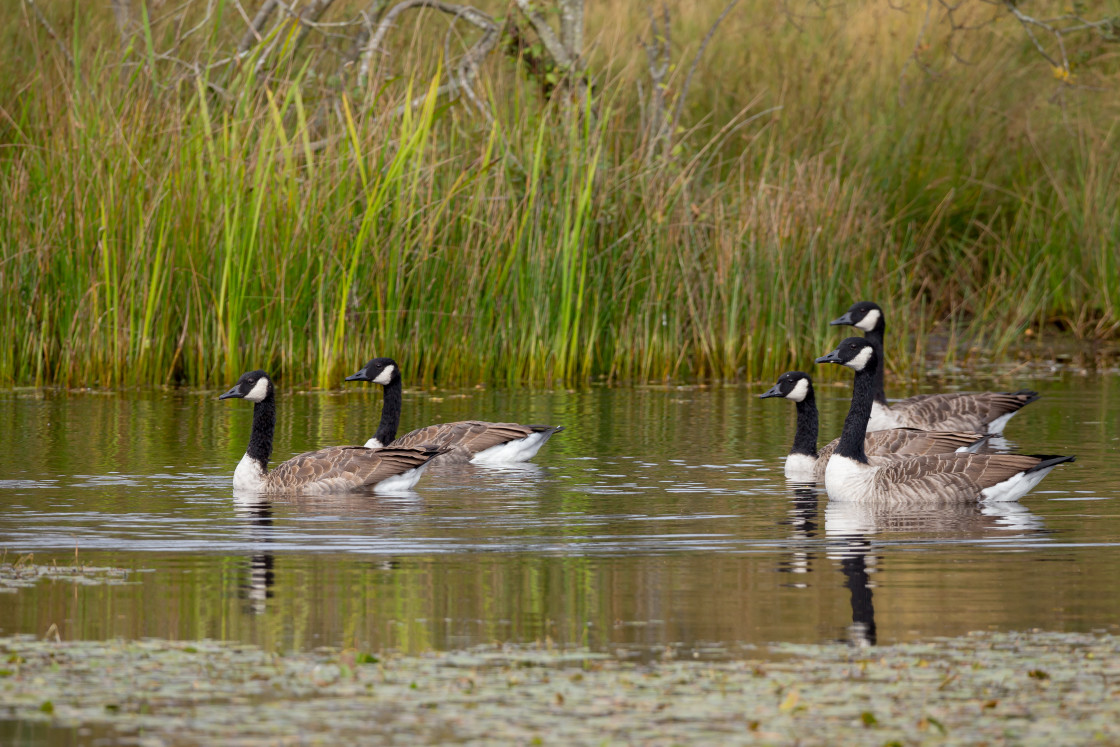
[[155, 231]]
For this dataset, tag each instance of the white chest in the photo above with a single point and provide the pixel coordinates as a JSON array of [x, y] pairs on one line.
[[373, 443], [800, 468], [249, 474], [848, 480]]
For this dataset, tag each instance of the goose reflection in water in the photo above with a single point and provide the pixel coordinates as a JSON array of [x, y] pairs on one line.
[[804, 525], [849, 526], [256, 590]]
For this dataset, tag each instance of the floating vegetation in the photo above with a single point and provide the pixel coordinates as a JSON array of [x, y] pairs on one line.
[[23, 573], [1031, 688]]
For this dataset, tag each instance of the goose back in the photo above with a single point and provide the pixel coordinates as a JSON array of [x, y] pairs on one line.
[[475, 441], [941, 478], [949, 478], [987, 412], [804, 463], [984, 411], [331, 470], [345, 468]]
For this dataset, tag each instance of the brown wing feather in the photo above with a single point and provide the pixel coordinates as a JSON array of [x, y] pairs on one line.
[[960, 410], [341, 468], [915, 442], [950, 476], [898, 443], [465, 438]]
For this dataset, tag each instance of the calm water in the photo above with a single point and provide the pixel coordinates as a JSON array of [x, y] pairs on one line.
[[660, 518]]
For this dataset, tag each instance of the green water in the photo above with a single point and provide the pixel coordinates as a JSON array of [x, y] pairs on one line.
[[658, 519]]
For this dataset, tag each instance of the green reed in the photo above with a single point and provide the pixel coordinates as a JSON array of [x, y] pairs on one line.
[[160, 228]]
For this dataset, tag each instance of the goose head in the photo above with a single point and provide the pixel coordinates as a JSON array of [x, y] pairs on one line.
[[792, 385], [382, 371], [254, 386], [854, 352], [864, 315]]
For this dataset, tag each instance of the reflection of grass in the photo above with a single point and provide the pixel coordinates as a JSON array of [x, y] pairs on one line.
[[996, 688], [24, 573], [154, 231]]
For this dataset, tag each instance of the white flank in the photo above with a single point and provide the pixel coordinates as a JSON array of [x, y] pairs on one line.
[[846, 479], [259, 390], [973, 448], [1016, 486], [883, 418], [868, 322], [997, 425], [249, 475], [385, 376], [860, 361], [799, 391], [799, 468], [518, 450], [373, 443], [402, 482]]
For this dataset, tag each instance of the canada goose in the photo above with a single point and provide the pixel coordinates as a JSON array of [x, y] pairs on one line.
[[331, 470], [805, 463], [942, 477], [474, 441], [987, 412]]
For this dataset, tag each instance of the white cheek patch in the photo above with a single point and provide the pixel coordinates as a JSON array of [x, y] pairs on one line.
[[799, 391], [860, 361], [385, 376], [868, 322], [259, 390]]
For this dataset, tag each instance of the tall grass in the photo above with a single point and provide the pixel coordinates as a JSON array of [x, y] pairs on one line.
[[158, 227]]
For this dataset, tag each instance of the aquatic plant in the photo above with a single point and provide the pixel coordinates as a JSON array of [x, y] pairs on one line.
[[162, 225]]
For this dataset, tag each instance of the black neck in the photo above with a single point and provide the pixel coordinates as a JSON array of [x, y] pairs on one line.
[[390, 413], [264, 424], [876, 336], [855, 425], [805, 439]]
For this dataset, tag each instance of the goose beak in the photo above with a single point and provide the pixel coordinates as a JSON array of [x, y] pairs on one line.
[[833, 357], [360, 376], [235, 392], [772, 392], [846, 319]]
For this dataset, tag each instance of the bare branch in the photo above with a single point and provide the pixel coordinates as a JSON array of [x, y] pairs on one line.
[[370, 16], [467, 13], [122, 11], [571, 28], [50, 30], [253, 34], [310, 15], [696, 62], [556, 49], [658, 57]]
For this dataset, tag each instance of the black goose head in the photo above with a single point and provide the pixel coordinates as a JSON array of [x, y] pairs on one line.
[[864, 315], [792, 385], [382, 371], [854, 352], [254, 386]]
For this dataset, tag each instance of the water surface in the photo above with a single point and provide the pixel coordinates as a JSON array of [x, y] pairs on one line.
[[659, 519]]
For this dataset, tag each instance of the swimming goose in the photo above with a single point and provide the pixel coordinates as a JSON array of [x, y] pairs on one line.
[[987, 412], [474, 441], [332, 470], [806, 464], [938, 478]]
